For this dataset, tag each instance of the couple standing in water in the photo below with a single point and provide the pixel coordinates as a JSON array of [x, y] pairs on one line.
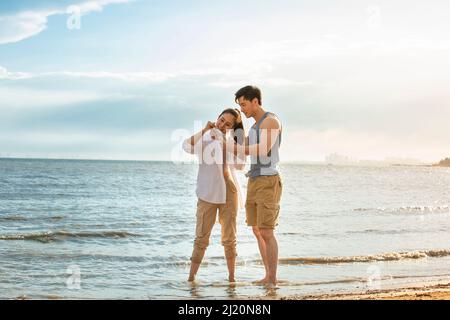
[[222, 148]]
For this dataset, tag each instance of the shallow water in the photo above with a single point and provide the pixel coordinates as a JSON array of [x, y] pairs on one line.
[[124, 229]]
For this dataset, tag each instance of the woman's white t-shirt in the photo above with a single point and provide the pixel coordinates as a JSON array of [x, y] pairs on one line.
[[211, 185]]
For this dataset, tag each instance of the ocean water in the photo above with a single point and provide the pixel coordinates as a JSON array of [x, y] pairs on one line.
[[124, 230]]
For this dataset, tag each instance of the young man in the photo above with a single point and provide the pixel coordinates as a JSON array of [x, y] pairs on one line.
[[264, 183]]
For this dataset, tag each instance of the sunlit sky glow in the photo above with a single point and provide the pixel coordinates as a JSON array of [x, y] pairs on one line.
[[367, 79]]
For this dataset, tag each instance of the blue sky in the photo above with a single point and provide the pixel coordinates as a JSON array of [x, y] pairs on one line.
[[368, 79]]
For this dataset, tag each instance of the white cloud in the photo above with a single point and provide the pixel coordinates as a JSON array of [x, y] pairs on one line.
[[120, 76], [15, 28], [144, 77], [265, 82], [225, 78], [5, 74], [26, 24], [97, 5], [17, 99]]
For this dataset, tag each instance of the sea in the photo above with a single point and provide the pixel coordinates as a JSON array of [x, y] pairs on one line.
[[93, 229]]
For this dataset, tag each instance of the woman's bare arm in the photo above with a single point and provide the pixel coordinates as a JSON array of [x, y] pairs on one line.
[[196, 137]]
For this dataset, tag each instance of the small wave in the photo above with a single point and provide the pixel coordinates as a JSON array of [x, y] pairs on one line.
[[395, 231], [394, 256], [281, 283], [55, 218], [13, 218], [289, 233], [50, 236], [23, 218], [181, 264], [176, 237], [408, 209]]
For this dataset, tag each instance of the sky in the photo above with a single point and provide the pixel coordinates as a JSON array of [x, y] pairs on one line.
[[126, 79]]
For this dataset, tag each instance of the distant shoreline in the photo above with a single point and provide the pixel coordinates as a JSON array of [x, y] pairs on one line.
[[311, 163], [75, 159]]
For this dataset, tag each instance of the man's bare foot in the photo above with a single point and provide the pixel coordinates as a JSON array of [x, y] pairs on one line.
[[271, 285], [191, 279], [231, 279], [262, 281]]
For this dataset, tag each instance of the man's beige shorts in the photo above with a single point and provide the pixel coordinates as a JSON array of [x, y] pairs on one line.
[[263, 201]]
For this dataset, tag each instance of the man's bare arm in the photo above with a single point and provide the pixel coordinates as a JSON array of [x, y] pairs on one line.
[[270, 129]]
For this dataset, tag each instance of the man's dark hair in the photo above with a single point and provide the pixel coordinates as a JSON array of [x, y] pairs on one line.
[[249, 93]]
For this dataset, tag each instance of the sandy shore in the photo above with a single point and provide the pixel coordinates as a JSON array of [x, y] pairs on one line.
[[436, 291]]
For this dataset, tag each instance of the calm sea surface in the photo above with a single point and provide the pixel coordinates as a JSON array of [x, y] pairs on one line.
[[123, 229]]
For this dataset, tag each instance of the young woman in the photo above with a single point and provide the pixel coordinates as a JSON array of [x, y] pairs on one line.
[[217, 187]]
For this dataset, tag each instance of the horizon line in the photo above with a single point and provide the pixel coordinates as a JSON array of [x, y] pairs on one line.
[[322, 162]]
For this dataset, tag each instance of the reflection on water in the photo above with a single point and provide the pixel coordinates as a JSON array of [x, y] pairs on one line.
[[194, 290]]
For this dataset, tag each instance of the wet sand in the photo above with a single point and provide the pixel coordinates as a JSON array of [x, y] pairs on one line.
[[436, 291]]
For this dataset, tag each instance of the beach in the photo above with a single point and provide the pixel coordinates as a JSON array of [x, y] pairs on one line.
[[425, 292], [420, 291]]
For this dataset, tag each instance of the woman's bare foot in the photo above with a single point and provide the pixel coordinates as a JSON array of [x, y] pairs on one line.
[[191, 279], [231, 279]]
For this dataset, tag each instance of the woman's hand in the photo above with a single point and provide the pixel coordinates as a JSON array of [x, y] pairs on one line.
[[216, 134], [210, 125], [198, 136]]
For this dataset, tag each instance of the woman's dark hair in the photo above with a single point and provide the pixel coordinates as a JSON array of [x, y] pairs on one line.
[[249, 93], [238, 128]]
